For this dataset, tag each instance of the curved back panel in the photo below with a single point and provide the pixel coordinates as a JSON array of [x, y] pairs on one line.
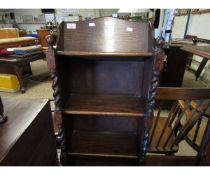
[[105, 34]]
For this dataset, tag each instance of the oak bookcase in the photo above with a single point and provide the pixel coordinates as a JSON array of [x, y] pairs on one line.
[[104, 74]]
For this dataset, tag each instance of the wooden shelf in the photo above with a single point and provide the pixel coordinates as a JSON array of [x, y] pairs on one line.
[[105, 144], [114, 105], [122, 54]]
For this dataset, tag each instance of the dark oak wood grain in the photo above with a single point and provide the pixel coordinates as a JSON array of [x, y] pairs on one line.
[[109, 144], [108, 35], [105, 74]]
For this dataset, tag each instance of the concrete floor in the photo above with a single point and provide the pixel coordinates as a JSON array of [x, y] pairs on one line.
[[36, 89]]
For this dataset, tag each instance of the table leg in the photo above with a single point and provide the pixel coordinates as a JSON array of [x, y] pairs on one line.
[[200, 68], [29, 66], [19, 72]]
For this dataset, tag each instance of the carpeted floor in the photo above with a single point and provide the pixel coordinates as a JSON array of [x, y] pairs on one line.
[[39, 86]]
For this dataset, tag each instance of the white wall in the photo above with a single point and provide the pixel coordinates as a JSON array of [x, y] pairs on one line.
[[59, 13], [200, 25], [178, 28], [34, 13], [90, 13]]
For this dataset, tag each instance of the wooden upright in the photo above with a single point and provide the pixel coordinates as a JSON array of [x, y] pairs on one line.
[[105, 74]]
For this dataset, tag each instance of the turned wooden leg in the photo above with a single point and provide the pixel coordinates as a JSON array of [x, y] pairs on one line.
[[19, 73], [3, 118]]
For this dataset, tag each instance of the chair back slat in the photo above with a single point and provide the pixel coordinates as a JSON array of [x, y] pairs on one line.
[[166, 124], [193, 118], [172, 118], [185, 116], [197, 130], [176, 124], [156, 121]]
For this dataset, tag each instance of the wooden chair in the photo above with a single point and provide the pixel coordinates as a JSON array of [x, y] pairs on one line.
[[195, 135], [186, 113]]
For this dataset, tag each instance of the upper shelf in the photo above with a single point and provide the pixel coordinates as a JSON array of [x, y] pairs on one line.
[[79, 53], [105, 36]]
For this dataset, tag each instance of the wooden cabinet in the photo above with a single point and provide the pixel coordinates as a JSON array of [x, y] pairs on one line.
[[104, 75], [27, 137], [174, 67]]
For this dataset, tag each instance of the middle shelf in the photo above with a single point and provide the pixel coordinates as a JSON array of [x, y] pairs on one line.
[[115, 105]]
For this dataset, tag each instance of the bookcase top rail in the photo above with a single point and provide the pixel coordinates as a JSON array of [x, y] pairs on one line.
[[105, 35]]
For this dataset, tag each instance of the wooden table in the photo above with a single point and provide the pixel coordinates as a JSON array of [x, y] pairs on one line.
[[14, 64], [202, 51], [27, 137]]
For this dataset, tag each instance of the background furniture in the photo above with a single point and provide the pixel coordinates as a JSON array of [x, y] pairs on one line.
[[14, 64], [188, 112], [16, 42], [27, 137], [42, 33], [10, 38], [203, 51], [175, 63], [183, 116], [9, 33], [104, 82]]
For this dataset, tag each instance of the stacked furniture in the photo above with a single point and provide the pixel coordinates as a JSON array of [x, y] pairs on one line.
[[17, 63], [105, 74], [15, 42], [14, 64]]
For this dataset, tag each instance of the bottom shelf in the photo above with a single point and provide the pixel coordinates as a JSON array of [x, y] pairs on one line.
[[150, 160], [106, 144]]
